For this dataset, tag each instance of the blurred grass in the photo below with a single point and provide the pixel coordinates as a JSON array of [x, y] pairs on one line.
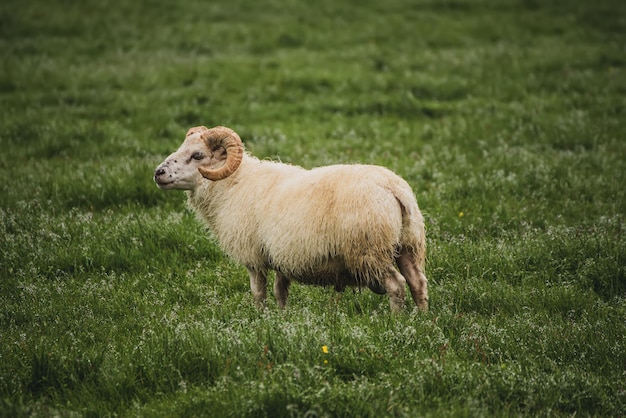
[[505, 117]]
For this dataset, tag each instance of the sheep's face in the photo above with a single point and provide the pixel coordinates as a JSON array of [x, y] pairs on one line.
[[181, 169]]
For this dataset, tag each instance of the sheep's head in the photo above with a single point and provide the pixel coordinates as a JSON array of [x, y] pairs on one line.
[[212, 154]]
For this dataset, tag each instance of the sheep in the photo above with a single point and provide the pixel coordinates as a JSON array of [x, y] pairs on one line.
[[339, 225]]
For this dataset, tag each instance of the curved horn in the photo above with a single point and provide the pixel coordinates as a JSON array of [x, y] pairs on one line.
[[228, 139]]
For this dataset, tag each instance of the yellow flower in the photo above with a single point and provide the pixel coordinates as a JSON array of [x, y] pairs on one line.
[[461, 214], [325, 349]]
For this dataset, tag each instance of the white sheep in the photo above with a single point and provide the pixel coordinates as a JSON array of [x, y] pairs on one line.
[[340, 225]]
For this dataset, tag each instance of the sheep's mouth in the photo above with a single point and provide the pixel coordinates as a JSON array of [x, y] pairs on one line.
[[162, 183]]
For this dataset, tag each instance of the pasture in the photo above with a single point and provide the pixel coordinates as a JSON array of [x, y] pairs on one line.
[[507, 117]]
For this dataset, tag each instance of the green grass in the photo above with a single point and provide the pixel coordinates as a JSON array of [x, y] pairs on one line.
[[506, 117]]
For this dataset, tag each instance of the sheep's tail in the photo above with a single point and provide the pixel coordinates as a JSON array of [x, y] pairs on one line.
[[412, 236]]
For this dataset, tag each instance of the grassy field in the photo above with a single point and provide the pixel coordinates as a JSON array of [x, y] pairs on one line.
[[506, 117]]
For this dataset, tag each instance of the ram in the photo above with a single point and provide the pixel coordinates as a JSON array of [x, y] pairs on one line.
[[339, 225]]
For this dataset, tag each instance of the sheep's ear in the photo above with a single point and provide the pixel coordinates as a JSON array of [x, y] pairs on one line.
[[196, 129]]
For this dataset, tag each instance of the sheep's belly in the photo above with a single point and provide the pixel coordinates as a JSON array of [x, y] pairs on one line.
[[332, 272], [337, 279]]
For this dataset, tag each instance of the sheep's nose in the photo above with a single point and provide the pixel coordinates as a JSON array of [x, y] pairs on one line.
[[159, 172]]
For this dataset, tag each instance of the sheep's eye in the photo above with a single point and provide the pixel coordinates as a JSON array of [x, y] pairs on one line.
[[197, 156]]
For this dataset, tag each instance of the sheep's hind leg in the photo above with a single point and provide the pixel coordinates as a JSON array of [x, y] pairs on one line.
[[415, 278], [281, 289], [394, 285], [258, 286]]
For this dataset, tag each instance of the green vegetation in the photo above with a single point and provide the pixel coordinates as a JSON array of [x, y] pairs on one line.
[[506, 117]]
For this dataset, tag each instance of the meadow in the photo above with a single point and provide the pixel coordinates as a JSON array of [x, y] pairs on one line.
[[507, 117]]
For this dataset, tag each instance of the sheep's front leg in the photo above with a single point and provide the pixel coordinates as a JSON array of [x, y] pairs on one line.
[[394, 285], [281, 289], [258, 286]]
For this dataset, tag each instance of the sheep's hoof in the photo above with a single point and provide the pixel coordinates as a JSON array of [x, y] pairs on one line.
[[377, 287], [423, 305]]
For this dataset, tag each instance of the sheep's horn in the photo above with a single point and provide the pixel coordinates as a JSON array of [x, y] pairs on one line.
[[196, 129], [229, 140]]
